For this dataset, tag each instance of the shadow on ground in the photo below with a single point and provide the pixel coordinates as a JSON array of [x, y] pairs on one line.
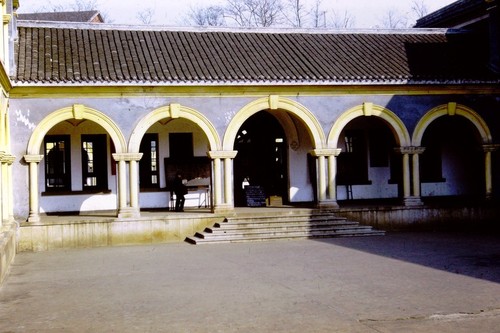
[[472, 253]]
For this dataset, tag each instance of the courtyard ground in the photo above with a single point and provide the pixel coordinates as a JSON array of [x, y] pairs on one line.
[[401, 282]]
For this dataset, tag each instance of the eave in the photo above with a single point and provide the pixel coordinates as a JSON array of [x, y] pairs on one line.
[[109, 91]]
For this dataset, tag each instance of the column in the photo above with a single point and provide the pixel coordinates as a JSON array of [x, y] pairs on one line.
[[134, 184], [9, 191], [416, 198], [122, 182], [411, 188], [332, 175], [217, 182], [223, 185], [33, 161], [323, 155], [321, 178], [228, 181], [488, 149], [2, 190]]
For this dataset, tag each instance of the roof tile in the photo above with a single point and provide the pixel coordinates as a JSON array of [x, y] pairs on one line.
[[49, 54]]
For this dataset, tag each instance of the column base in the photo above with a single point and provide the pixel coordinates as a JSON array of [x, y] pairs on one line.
[[223, 209], [34, 218], [412, 201], [129, 213], [328, 204]]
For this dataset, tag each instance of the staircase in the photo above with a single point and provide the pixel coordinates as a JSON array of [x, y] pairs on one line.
[[289, 225]]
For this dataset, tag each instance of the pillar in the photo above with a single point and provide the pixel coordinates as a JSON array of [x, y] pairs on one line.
[[488, 149], [33, 161], [411, 179], [228, 181], [122, 182], [124, 209], [8, 198], [327, 194], [134, 183], [223, 199], [2, 190]]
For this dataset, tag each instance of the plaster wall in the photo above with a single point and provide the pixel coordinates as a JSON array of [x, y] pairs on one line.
[[126, 112]]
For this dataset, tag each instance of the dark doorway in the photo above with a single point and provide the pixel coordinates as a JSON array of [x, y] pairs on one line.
[[262, 157]]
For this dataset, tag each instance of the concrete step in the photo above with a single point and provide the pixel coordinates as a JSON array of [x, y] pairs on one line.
[[278, 224], [281, 226], [279, 232], [267, 220], [270, 227], [283, 236]]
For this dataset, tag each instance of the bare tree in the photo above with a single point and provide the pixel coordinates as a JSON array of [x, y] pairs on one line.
[[76, 5], [342, 21], [145, 16], [207, 16], [394, 20], [295, 13], [255, 13], [419, 8], [83, 5], [318, 15]]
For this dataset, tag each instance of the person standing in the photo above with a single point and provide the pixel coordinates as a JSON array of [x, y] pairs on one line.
[[180, 190]]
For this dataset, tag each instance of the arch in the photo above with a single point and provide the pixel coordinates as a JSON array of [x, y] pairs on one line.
[[77, 111], [451, 109], [173, 111], [369, 109], [274, 103]]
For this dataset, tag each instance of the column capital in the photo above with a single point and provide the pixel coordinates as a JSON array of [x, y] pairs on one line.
[[326, 152], [127, 156], [409, 150], [7, 158], [213, 154], [490, 147], [33, 158]]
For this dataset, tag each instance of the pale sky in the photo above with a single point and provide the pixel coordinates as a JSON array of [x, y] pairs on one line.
[[367, 13]]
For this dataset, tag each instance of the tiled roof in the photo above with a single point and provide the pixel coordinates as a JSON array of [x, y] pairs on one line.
[[113, 55], [454, 14], [74, 16]]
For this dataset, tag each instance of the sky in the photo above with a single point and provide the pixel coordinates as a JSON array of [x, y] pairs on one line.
[[366, 13]]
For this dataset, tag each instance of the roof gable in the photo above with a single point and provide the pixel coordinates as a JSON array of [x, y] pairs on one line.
[[73, 16]]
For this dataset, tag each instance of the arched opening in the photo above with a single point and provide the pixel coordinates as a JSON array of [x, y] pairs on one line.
[[262, 158], [171, 146], [452, 163], [78, 165], [368, 166]]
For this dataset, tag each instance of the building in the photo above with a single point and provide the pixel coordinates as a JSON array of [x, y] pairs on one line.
[[89, 16], [100, 117]]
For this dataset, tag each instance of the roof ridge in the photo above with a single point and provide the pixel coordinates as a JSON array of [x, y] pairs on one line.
[[110, 26]]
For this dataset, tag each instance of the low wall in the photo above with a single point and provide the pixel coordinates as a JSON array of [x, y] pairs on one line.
[[98, 233], [7, 248], [425, 217]]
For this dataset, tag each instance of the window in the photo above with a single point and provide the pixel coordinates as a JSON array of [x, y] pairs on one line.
[[181, 146], [57, 163], [94, 162], [353, 161], [148, 165]]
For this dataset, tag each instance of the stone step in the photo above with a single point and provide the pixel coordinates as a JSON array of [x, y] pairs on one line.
[[291, 235], [282, 218], [283, 231], [281, 226]]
